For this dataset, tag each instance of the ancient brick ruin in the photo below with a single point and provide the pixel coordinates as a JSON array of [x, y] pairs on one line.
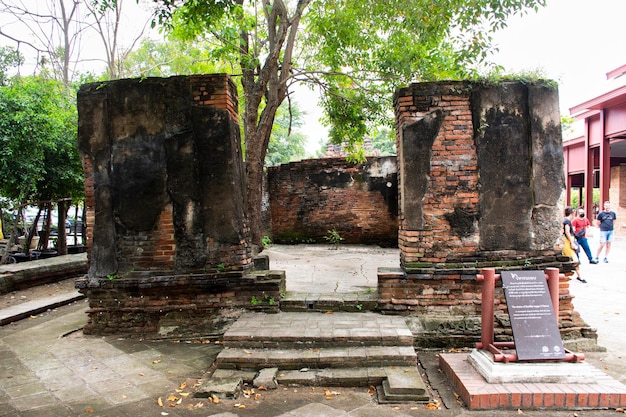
[[164, 185], [481, 185], [358, 200]]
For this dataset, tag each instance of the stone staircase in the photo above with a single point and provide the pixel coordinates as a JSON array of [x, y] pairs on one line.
[[320, 349]]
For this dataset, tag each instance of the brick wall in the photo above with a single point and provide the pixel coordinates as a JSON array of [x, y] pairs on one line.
[[310, 197], [452, 182], [480, 186], [477, 179], [169, 248]]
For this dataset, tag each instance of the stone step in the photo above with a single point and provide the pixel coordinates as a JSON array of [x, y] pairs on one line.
[[325, 302], [297, 359], [288, 330], [398, 380], [402, 386]]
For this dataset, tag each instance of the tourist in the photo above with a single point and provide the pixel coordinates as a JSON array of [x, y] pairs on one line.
[[581, 223], [605, 219], [570, 246]]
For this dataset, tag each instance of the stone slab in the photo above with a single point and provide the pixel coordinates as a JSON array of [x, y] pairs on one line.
[[29, 308], [405, 381], [221, 388], [537, 372], [266, 378], [386, 396]]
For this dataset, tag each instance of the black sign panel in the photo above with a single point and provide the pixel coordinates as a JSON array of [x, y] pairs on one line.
[[535, 329]]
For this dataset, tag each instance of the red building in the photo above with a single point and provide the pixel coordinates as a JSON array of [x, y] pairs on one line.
[[597, 157]]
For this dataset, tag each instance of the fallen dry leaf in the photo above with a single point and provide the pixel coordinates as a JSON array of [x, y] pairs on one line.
[[89, 410], [432, 406], [183, 385], [156, 361], [172, 398], [215, 399], [160, 402]]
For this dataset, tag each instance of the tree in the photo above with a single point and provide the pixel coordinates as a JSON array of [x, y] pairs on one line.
[[384, 139], [286, 144], [175, 57], [39, 160], [355, 50], [58, 31], [107, 20], [9, 58]]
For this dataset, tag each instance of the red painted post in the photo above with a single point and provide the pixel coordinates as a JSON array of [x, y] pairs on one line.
[[552, 275], [487, 307]]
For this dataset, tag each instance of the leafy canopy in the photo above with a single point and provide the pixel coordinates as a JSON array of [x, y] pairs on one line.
[[357, 52], [38, 152]]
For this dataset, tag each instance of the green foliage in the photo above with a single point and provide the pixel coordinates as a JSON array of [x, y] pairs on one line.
[[333, 237], [9, 58], [286, 144], [39, 157], [173, 57], [266, 241], [574, 198], [367, 49], [264, 299], [112, 277], [384, 140]]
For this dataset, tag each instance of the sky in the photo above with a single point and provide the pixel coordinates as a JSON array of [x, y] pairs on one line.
[[575, 42]]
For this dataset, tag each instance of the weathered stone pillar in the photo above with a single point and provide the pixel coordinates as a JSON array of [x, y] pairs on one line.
[[169, 239], [480, 171], [481, 185]]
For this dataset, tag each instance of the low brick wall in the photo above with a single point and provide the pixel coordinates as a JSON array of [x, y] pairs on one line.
[[444, 304], [311, 197], [166, 306], [24, 275]]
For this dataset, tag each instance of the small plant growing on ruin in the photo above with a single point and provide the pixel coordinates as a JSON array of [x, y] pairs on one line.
[[266, 241], [333, 237], [111, 277]]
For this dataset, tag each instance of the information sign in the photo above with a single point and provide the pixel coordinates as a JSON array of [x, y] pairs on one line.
[[535, 327]]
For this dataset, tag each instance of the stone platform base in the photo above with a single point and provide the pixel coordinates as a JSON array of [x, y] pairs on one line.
[[478, 394]]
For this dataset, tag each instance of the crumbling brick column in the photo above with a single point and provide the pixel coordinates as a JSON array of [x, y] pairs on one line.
[[165, 199], [481, 185]]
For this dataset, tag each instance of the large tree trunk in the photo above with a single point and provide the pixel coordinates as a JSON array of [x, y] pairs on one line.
[[269, 82]]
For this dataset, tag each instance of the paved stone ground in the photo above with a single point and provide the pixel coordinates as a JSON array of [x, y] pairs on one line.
[[49, 368]]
